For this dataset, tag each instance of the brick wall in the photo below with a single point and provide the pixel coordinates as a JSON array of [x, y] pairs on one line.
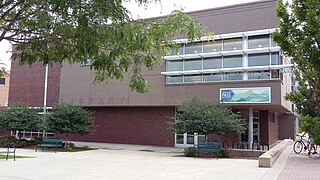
[[264, 126], [286, 126], [274, 130], [27, 84], [131, 125]]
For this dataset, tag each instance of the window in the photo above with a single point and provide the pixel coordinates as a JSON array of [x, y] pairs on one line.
[[2, 81], [259, 75], [275, 59], [212, 77], [232, 76], [193, 78], [272, 117], [193, 48], [259, 59], [212, 46], [174, 79], [175, 65], [275, 74], [192, 64], [232, 44], [179, 139], [273, 44], [177, 51], [261, 41], [212, 63], [232, 61]]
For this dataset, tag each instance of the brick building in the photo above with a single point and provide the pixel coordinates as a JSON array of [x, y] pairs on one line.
[[243, 67]]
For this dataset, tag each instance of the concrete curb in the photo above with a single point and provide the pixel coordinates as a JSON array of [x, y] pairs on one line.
[[269, 158]]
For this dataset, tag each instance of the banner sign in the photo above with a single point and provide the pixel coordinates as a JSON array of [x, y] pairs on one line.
[[245, 95]]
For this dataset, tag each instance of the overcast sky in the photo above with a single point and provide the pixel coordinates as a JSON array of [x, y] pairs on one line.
[[153, 10]]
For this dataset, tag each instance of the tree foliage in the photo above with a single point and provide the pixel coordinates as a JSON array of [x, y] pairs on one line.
[[19, 117], [299, 38], [100, 31], [204, 117], [69, 119]]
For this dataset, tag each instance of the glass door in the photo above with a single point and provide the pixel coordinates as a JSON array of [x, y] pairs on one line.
[[187, 139]]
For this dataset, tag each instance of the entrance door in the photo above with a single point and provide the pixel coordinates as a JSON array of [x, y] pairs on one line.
[[187, 139], [256, 131]]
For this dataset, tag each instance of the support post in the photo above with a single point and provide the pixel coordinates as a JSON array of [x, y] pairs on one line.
[[250, 128], [45, 97]]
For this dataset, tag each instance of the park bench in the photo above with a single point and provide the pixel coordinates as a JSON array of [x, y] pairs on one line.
[[208, 147], [51, 143], [10, 150]]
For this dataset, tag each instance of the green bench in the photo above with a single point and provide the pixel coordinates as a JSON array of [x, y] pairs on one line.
[[10, 150], [51, 143], [208, 147]]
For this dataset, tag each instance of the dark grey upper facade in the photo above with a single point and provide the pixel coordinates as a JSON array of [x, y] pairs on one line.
[[76, 81]]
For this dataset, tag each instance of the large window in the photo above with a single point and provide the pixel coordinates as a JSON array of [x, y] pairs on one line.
[[223, 65], [175, 65], [232, 61], [2, 81], [178, 51], [232, 76], [212, 77], [193, 48], [275, 74], [212, 46], [232, 44], [275, 59], [192, 64], [259, 59], [193, 78], [174, 79], [259, 74], [261, 41], [212, 63]]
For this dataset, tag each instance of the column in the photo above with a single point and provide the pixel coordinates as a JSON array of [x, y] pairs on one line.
[[250, 128]]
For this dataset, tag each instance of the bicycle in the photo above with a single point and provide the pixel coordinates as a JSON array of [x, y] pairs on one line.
[[302, 144]]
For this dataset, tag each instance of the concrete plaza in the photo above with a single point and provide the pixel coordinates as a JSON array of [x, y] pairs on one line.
[[134, 162], [125, 162]]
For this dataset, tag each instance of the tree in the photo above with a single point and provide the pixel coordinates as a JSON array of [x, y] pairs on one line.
[[19, 117], [299, 38], [99, 31], [69, 119], [204, 117]]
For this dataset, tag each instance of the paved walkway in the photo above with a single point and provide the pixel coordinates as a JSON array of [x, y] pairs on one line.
[[126, 162], [292, 166], [134, 162]]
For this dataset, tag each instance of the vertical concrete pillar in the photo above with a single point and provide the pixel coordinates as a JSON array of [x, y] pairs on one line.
[[296, 126], [250, 127]]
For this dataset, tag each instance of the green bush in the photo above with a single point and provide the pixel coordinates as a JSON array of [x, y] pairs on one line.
[[223, 153], [70, 145], [85, 147], [6, 141], [190, 151]]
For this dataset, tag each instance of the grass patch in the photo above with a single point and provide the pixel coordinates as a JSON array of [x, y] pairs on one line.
[[11, 157]]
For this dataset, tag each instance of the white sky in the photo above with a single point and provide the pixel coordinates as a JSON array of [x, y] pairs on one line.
[[153, 10]]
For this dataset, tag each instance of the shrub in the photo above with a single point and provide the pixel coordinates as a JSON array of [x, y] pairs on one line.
[[6, 141], [70, 145], [85, 147], [223, 153], [190, 151]]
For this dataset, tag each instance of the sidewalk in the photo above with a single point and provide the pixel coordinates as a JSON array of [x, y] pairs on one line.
[[126, 162], [291, 166]]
